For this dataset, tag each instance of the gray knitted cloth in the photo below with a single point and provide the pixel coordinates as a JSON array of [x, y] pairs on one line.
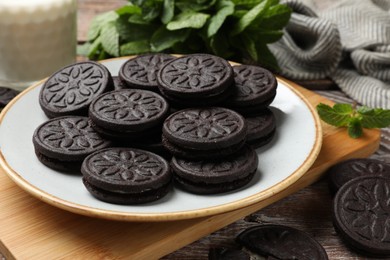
[[348, 42]]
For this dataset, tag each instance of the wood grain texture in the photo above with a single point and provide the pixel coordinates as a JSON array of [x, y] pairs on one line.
[[31, 229]]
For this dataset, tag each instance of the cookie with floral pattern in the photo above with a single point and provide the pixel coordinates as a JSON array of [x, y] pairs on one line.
[[71, 90], [63, 143], [261, 128], [141, 71], [255, 89], [196, 80], [212, 176], [209, 132], [126, 175], [347, 170], [361, 215], [280, 242], [128, 114]]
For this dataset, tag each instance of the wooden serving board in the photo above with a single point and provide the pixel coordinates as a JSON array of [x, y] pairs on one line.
[[31, 229]]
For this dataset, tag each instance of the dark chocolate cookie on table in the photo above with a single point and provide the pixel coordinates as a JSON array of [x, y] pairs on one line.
[[216, 176], [221, 253], [128, 114], [255, 89], [346, 170], [6, 95], [361, 215], [196, 80], [261, 128], [63, 143], [141, 71], [71, 90], [281, 242], [126, 176], [201, 133], [118, 83]]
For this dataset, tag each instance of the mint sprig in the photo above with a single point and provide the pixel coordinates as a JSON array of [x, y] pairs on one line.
[[354, 119], [237, 30]]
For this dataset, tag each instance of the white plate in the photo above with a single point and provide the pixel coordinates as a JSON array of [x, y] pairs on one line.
[[291, 153]]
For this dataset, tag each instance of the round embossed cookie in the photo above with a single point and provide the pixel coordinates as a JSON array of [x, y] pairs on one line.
[[141, 71], [6, 95], [196, 79], [222, 253], [128, 113], [361, 215], [216, 176], [255, 89], [118, 83], [261, 128], [211, 132], [344, 171], [281, 242], [63, 143], [71, 90], [126, 175]]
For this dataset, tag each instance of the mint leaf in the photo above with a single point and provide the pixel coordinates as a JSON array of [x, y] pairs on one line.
[[164, 39], [355, 129], [374, 117], [135, 47], [265, 36], [220, 45], [225, 8], [238, 30], [266, 58], [98, 22], [110, 39], [83, 49], [129, 9], [168, 11], [246, 3], [354, 119], [249, 17], [276, 17], [250, 46], [185, 5], [133, 32], [188, 19], [336, 116], [94, 48]]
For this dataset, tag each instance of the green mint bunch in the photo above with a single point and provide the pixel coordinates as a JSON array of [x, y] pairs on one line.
[[237, 30], [354, 119]]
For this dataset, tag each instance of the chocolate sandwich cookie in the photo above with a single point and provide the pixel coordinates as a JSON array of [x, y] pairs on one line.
[[361, 215], [71, 90], [216, 176], [141, 72], [118, 83], [261, 128], [281, 242], [197, 133], [221, 253], [196, 79], [63, 143], [347, 170], [255, 89], [128, 114], [126, 175], [6, 95]]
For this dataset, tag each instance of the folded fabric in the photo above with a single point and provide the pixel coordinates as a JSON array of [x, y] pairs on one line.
[[348, 42]]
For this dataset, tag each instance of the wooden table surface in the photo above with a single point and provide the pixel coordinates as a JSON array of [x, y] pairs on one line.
[[308, 210]]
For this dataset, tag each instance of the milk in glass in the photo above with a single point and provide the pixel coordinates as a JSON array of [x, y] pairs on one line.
[[37, 37]]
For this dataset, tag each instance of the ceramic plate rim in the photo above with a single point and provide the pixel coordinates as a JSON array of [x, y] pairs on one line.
[[167, 216]]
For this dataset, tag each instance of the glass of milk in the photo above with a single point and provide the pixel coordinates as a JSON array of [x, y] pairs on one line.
[[37, 38]]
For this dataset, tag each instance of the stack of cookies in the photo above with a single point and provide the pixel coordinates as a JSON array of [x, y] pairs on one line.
[[196, 111]]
